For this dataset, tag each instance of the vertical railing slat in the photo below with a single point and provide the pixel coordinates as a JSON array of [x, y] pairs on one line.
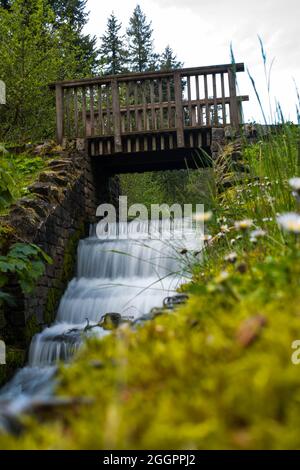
[[92, 114], [189, 99], [108, 119], [152, 98], [136, 106], [223, 99], [84, 111], [68, 112], [59, 98], [100, 113], [179, 110], [76, 112], [116, 115], [161, 111], [128, 117], [199, 109], [234, 112], [169, 120], [216, 117], [207, 108]]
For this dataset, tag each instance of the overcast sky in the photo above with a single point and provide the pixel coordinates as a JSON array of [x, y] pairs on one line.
[[200, 32]]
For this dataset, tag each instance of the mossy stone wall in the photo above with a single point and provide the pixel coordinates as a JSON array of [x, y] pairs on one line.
[[63, 203]]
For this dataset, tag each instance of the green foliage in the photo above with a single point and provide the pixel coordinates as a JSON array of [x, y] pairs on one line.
[[72, 12], [17, 172], [178, 186], [35, 50], [112, 52], [6, 185]]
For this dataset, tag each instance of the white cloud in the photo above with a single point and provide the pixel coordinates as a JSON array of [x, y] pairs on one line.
[[200, 32]]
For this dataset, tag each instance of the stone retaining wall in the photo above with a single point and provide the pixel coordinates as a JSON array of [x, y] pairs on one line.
[[57, 214]]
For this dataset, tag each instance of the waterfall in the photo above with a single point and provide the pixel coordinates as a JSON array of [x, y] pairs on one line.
[[114, 274]]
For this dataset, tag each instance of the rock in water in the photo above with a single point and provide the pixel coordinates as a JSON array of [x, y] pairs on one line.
[[110, 321]]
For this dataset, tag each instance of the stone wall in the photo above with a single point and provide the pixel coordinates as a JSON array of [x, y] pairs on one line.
[[57, 214]]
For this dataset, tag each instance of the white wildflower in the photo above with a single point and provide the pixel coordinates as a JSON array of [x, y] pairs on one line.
[[259, 233], [290, 222], [243, 224], [222, 277], [202, 216], [231, 257], [295, 184]]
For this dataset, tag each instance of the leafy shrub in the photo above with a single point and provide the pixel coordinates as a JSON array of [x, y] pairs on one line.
[[27, 263]]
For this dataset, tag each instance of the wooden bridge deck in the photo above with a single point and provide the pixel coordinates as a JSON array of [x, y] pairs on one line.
[[149, 112]]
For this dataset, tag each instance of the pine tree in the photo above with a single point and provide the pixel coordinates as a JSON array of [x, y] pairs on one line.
[[112, 51], [72, 12], [168, 60], [140, 40]]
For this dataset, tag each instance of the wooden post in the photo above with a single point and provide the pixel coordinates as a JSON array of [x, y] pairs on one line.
[[59, 93], [234, 111], [116, 115], [179, 110]]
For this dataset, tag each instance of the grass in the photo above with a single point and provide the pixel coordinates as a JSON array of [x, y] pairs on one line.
[[217, 372]]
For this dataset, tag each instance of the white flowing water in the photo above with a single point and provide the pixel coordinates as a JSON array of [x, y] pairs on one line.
[[126, 276]]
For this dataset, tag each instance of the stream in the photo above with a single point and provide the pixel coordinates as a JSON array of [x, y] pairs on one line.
[[125, 276]]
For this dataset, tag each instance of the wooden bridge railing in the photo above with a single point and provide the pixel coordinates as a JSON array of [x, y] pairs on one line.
[[147, 111]]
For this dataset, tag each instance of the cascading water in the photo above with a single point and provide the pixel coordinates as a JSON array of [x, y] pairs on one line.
[[126, 276]]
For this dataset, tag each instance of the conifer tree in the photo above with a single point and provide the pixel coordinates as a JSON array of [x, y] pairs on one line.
[[168, 60], [72, 12], [112, 51], [139, 34]]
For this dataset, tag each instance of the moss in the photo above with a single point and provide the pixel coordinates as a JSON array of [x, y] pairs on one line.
[[15, 359], [7, 234], [51, 305], [55, 293], [31, 328], [70, 253]]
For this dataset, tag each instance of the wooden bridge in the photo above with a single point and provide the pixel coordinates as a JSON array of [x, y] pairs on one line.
[[151, 120]]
